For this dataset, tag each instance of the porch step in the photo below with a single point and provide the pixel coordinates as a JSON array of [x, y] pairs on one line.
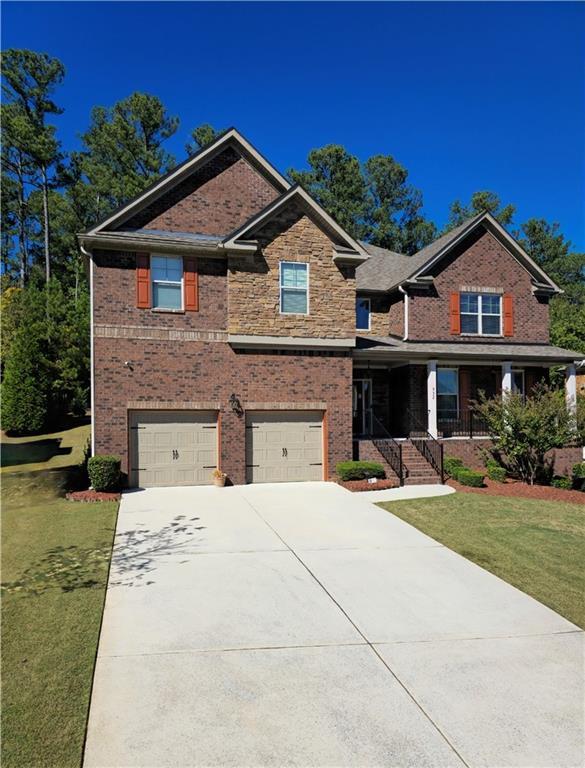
[[419, 471], [427, 480]]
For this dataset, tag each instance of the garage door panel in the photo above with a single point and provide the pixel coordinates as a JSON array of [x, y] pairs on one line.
[[299, 433], [173, 447]]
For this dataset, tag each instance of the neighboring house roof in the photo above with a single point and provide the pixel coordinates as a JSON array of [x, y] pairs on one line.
[[350, 251], [390, 347], [386, 270], [230, 137]]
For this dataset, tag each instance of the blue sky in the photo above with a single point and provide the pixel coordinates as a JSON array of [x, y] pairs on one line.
[[466, 95]]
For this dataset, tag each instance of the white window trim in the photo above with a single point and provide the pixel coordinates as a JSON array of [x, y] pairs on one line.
[[444, 394], [280, 286], [168, 282], [480, 314], [369, 328]]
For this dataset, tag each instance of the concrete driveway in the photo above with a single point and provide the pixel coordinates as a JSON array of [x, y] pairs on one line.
[[299, 625]]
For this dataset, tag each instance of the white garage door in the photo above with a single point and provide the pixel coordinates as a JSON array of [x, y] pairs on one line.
[[284, 446], [172, 447]]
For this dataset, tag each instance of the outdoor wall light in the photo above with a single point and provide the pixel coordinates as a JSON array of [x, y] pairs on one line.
[[235, 404]]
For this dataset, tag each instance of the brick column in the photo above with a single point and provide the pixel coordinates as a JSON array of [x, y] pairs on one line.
[[432, 397]]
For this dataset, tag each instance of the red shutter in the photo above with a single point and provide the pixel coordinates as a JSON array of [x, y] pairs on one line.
[[454, 313], [143, 280], [191, 284], [508, 314]]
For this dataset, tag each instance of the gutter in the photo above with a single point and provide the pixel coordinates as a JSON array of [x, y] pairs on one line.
[[405, 294], [89, 256]]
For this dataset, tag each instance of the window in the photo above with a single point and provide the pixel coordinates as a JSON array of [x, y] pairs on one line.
[[294, 288], [362, 314], [167, 282], [518, 381], [481, 314], [447, 393]]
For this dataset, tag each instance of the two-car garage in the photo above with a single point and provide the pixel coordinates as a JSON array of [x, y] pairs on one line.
[[176, 447]]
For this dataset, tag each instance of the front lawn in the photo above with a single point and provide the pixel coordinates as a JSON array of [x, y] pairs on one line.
[[538, 546], [55, 557]]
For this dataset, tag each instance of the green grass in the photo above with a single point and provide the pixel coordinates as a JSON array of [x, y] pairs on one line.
[[55, 557], [538, 546], [56, 450]]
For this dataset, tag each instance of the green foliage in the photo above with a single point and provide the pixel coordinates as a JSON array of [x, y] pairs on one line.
[[26, 385], [372, 202], [359, 470], [496, 473], [470, 477], [523, 430], [104, 472], [201, 136], [579, 470], [561, 481], [452, 465], [479, 203]]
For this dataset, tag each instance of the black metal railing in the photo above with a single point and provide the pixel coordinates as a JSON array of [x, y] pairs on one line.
[[390, 449], [427, 445], [464, 423]]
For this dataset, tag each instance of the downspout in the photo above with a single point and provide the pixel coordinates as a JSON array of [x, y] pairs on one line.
[[405, 294], [89, 256]]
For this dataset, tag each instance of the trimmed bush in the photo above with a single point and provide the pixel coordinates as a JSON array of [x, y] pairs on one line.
[[496, 473], [359, 470], [104, 472], [452, 465], [561, 481], [470, 477], [579, 476]]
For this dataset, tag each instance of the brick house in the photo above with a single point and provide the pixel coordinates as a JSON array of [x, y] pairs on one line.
[[236, 325]]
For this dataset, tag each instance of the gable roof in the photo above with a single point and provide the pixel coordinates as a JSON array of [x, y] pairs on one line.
[[229, 138], [387, 270], [348, 249]]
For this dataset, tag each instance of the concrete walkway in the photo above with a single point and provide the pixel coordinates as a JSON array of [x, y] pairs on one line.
[[300, 625], [407, 492]]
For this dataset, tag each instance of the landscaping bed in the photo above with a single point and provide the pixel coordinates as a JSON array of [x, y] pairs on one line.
[[363, 485], [518, 489], [91, 495]]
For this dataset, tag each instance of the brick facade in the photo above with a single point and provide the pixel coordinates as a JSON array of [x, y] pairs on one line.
[[386, 316], [216, 200], [254, 292], [183, 371], [483, 262]]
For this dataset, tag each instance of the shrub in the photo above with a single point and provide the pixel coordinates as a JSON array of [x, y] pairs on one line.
[[496, 473], [523, 430], [561, 481], [452, 465], [359, 470], [104, 472], [470, 477], [578, 474]]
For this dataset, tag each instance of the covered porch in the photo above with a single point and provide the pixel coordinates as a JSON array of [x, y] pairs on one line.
[[401, 392]]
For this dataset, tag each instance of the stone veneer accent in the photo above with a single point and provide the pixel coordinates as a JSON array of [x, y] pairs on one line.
[[254, 292]]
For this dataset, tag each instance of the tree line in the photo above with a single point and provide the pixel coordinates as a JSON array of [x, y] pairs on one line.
[[50, 193]]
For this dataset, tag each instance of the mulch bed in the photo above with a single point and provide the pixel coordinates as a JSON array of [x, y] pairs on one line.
[[91, 495], [363, 485], [522, 490]]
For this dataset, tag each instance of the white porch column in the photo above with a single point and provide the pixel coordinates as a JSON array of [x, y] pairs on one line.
[[506, 377], [571, 389], [432, 397]]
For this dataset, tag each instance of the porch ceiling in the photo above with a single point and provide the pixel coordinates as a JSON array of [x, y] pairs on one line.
[[390, 348]]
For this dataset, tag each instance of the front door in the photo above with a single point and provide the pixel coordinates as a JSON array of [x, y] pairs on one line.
[[362, 406]]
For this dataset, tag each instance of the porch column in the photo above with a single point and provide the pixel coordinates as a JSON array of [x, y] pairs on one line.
[[432, 397], [506, 377], [571, 389]]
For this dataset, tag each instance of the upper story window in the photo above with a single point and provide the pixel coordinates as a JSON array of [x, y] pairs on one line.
[[167, 282], [294, 288], [362, 314], [481, 314]]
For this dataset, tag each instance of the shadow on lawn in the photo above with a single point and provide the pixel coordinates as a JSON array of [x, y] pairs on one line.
[[32, 452], [134, 560]]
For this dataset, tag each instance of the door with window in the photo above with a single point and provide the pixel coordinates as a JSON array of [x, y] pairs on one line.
[[362, 406]]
